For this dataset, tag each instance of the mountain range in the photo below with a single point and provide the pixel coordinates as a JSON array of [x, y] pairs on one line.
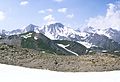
[[89, 39]]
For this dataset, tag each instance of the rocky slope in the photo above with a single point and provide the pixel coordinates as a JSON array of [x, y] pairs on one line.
[[41, 60]]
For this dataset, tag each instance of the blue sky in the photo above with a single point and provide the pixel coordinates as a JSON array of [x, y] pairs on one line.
[[20, 13]]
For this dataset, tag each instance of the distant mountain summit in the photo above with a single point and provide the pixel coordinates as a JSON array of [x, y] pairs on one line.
[[13, 32], [113, 34], [106, 39], [31, 28], [59, 31]]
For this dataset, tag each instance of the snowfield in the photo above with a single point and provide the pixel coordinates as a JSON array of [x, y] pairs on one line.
[[10, 73]]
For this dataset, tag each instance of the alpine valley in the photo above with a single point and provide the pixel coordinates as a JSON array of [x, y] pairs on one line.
[[61, 40]]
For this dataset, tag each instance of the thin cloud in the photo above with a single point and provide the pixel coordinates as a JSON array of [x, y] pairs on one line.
[[70, 16], [41, 11], [62, 10], [111, 19], [58, 1], [2, 15], [45, 11], [23, 3], [49, 19], [49, 10]]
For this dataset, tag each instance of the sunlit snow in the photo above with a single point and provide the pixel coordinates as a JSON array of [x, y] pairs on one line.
[[10, 73], [64, 46]]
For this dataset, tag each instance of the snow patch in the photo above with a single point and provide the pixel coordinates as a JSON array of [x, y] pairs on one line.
[[86, 44], [49, 35], [27, 35], [64, 46], [35, 38], [103, 32]]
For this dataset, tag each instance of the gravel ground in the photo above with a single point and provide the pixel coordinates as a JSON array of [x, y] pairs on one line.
[[33, 59]]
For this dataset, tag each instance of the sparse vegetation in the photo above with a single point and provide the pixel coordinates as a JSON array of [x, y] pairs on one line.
[[92, 53], [37, 59]]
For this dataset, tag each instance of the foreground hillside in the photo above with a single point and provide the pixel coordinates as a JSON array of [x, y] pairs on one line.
[[40, 42], [42, 60]]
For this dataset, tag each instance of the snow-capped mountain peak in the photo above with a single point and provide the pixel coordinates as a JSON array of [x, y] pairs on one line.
[[55, 28], [59, 31], [31, 27], [111, 31], [90, 30]]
